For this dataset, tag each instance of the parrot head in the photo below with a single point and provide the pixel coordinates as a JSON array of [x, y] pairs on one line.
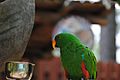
[[63, 39], [56, 41]]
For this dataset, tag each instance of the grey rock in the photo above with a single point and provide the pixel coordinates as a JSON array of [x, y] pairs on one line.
[[16, 23]]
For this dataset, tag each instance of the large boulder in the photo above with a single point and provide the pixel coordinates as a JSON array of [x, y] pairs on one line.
[[16, 23]]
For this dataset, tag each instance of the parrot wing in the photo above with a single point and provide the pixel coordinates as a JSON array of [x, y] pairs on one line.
[[77, 64], [90, 62]]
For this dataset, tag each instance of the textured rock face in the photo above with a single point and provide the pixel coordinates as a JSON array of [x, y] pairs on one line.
[[16, 23]]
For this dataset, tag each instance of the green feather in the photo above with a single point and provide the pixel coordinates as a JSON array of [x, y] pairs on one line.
[[73, 52]]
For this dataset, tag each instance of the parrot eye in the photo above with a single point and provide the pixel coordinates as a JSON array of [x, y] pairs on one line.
[[58, 37]]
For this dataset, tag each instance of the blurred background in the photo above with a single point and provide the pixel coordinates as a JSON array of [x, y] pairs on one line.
[[95, 22]]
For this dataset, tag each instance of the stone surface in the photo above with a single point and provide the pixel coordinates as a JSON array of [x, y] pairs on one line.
[[16, 23]]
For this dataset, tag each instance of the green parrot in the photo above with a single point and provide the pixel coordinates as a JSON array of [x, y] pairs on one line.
[[78, 60]]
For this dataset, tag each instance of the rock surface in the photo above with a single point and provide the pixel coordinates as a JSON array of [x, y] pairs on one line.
[[16, 23]]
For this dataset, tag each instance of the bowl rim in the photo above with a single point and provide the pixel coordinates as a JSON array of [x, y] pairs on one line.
[[22, 62]]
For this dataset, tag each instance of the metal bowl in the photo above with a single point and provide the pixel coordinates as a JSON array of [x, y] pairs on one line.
[[18, 70]]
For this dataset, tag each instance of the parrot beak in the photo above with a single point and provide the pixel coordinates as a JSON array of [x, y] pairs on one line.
[[53, 44]]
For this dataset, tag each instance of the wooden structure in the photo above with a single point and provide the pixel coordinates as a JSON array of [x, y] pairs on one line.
[[48, 13], [51, 69], [95, 12]]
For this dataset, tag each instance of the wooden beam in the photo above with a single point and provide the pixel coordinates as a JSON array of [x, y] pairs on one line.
[[95, 13], [97, 20], [49, 4], [47, 17]]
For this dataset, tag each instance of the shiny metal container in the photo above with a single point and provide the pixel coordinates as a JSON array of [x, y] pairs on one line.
[[18, 70]]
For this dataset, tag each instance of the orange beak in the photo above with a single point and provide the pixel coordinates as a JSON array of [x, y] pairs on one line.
[[53, 44]]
